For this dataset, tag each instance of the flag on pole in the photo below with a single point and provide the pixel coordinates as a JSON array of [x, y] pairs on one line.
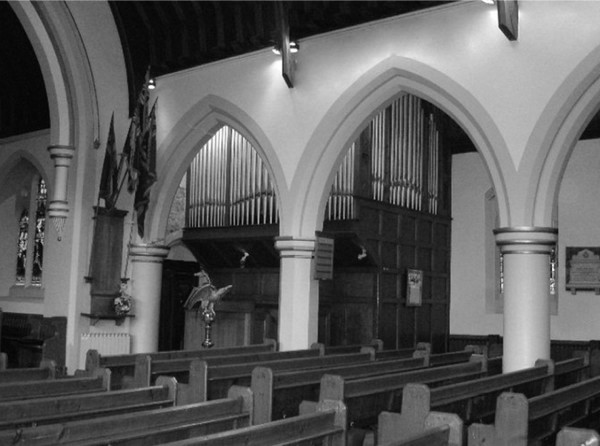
[[139, 124], [146, 167], [109, 179]]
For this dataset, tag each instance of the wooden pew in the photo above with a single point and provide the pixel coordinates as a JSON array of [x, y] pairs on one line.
[[520, 421], [278, 393], [444, 429], [422, 348], [366, 398], [472, 400], [571, 436], [20, 413], [46, 370], [326, 425], [3, 361], [149, 427], [75, 385], [469, 400], [377, 344], [123, 366], [208, 381], [441, 429], [147, 368]]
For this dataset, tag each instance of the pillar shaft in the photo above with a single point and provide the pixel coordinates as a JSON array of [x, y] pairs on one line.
[[146, 278], [526, 252], [298, 294]]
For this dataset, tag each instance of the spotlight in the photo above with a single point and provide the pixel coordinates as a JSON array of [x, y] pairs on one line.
[[151, 84], [294, 48]]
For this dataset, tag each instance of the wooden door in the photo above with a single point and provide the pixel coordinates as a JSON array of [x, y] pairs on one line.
[[177, 282]]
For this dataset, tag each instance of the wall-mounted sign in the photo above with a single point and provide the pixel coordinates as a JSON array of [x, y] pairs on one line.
[[324, 259], [583, 269], [414, 290]]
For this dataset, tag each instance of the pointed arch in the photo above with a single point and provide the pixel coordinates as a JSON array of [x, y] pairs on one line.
[[181, 145], [356, 107], [556, 133]]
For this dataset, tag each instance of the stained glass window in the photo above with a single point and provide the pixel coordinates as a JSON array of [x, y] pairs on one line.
[[31, 239], [22, 247], [40, 226]]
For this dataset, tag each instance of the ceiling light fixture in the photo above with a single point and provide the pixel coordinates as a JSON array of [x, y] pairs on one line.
[[151, 84], [294, 48]]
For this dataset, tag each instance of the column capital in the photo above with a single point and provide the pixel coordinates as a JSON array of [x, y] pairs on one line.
[[61, 154], [295, 247], [148, 252], [526, 239]]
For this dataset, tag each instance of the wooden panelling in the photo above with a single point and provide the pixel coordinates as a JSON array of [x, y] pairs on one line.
[[388, 323]]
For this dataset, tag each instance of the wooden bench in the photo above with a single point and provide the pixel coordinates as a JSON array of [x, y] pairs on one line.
[[571, 436], [441, 429], [366, 398], [123, 366], [208, 381], [147, 368], [148, 427], [520, 421], [278, 393], [325, 426], [75, 385], [471, 400], [25, 337], [36, 411], [46, 370], [377, 344], [422, 348]]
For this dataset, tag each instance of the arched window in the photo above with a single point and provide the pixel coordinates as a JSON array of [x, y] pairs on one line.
[[30, 243]]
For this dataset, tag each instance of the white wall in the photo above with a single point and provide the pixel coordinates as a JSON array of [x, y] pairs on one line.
[[468, 315], [579, 214], [578, 217]]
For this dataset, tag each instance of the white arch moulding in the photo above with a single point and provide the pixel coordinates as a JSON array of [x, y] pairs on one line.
[[355, 108]]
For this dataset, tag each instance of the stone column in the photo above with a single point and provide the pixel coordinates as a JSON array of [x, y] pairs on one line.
[[526, 255], [146, 280], [298, 294], [58, 208]]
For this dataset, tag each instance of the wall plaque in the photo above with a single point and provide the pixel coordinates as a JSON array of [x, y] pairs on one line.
[[583, 269], [414, 287]]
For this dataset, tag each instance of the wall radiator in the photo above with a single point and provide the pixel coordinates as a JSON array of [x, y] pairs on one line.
[[105, 343]]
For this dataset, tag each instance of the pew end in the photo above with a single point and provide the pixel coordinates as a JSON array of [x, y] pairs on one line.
[[511, 425], [390, 433], [92, 359], [307, 407], [571, 436], [247, 397], [103, 372], [273, 342]]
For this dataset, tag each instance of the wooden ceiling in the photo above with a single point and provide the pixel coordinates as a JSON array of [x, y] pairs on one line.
[[169, 36]]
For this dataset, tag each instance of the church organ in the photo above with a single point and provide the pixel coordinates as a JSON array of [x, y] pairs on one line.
[[388, 211]]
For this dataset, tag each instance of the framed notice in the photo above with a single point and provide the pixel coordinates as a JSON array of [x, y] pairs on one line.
[[583, 269], [414, 292]]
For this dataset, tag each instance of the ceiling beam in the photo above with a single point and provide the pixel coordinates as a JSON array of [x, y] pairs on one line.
[[287, 63], [508, 18]]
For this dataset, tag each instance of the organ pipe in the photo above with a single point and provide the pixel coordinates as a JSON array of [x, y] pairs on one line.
[[405, 157], [229, 185]]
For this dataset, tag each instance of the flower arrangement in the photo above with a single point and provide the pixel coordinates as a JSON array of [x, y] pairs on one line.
[[122, 303]]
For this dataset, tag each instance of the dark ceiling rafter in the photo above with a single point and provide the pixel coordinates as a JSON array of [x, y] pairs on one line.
[[283, 43], [508, 18]]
